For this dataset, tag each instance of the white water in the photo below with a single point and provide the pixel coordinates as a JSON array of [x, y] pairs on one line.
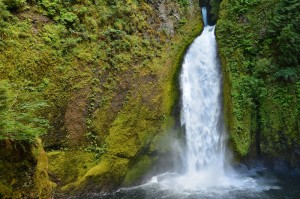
[[201, 107], [206, 168], [207, 174], [200, 82], [204, 15]]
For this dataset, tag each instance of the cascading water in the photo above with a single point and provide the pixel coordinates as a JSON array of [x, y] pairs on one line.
[[206, 173], [204, 15], [205, 162], [201, 86], [201, 112]]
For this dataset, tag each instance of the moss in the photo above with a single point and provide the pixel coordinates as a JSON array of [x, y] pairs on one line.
[[24, 171], [143, 114], [68, 166], [133, 128], [43, 186], [5, 191], [259, 105], [102, 177], [101, 122], [128, 60], [138, 170]]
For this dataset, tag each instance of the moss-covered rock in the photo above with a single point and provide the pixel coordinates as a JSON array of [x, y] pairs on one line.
[[261, 96], [129, 128], [68, 166], [24, 171], [108, 72]]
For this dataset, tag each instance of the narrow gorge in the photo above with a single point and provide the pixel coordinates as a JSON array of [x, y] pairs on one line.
[[176, 99]]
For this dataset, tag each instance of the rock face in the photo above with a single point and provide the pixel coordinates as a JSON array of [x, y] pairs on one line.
[[261, 104], [24, 171], [108, 70], [129, 127]]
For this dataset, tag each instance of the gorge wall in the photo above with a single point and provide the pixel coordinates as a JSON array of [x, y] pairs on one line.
[[104, 74], [259, 49]]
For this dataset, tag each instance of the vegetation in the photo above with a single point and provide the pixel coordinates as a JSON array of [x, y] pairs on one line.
[[97, 81], [92, 78], [259, 45], [20, 119], [24, 170]]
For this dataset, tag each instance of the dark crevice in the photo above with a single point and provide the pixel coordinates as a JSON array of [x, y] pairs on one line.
[[213, 7], [258, 129]]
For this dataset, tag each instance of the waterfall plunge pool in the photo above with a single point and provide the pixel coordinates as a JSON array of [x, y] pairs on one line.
[[258, 183]]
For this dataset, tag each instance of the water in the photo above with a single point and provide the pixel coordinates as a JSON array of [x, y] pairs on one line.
[[269, 187], [148, 194], [207, 174], [204, 15], [201, 109]]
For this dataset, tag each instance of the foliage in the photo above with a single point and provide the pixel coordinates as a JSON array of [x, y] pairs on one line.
[[14, 5], [183, 2], [91, 60], [94, 146], [19, 113], [24, 170], [259, 48], [285, 32]]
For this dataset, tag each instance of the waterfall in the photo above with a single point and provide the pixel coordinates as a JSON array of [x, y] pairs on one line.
[[206, 169], [201, 107], [201, 104], [204, 15]]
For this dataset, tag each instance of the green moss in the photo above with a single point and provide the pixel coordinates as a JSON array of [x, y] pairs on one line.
[[43, 186], [68, 166], [5, 191], [123, 65], [101, 121], [24, 171], [133, 128], [138, 170], [143, 116], [260, 89], [104, 176]]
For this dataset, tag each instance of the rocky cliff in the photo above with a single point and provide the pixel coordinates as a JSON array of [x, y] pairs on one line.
[[106, 72]]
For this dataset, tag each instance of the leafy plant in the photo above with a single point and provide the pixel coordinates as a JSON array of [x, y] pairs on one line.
[[287, 74], [183, 2], [19, 113]]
